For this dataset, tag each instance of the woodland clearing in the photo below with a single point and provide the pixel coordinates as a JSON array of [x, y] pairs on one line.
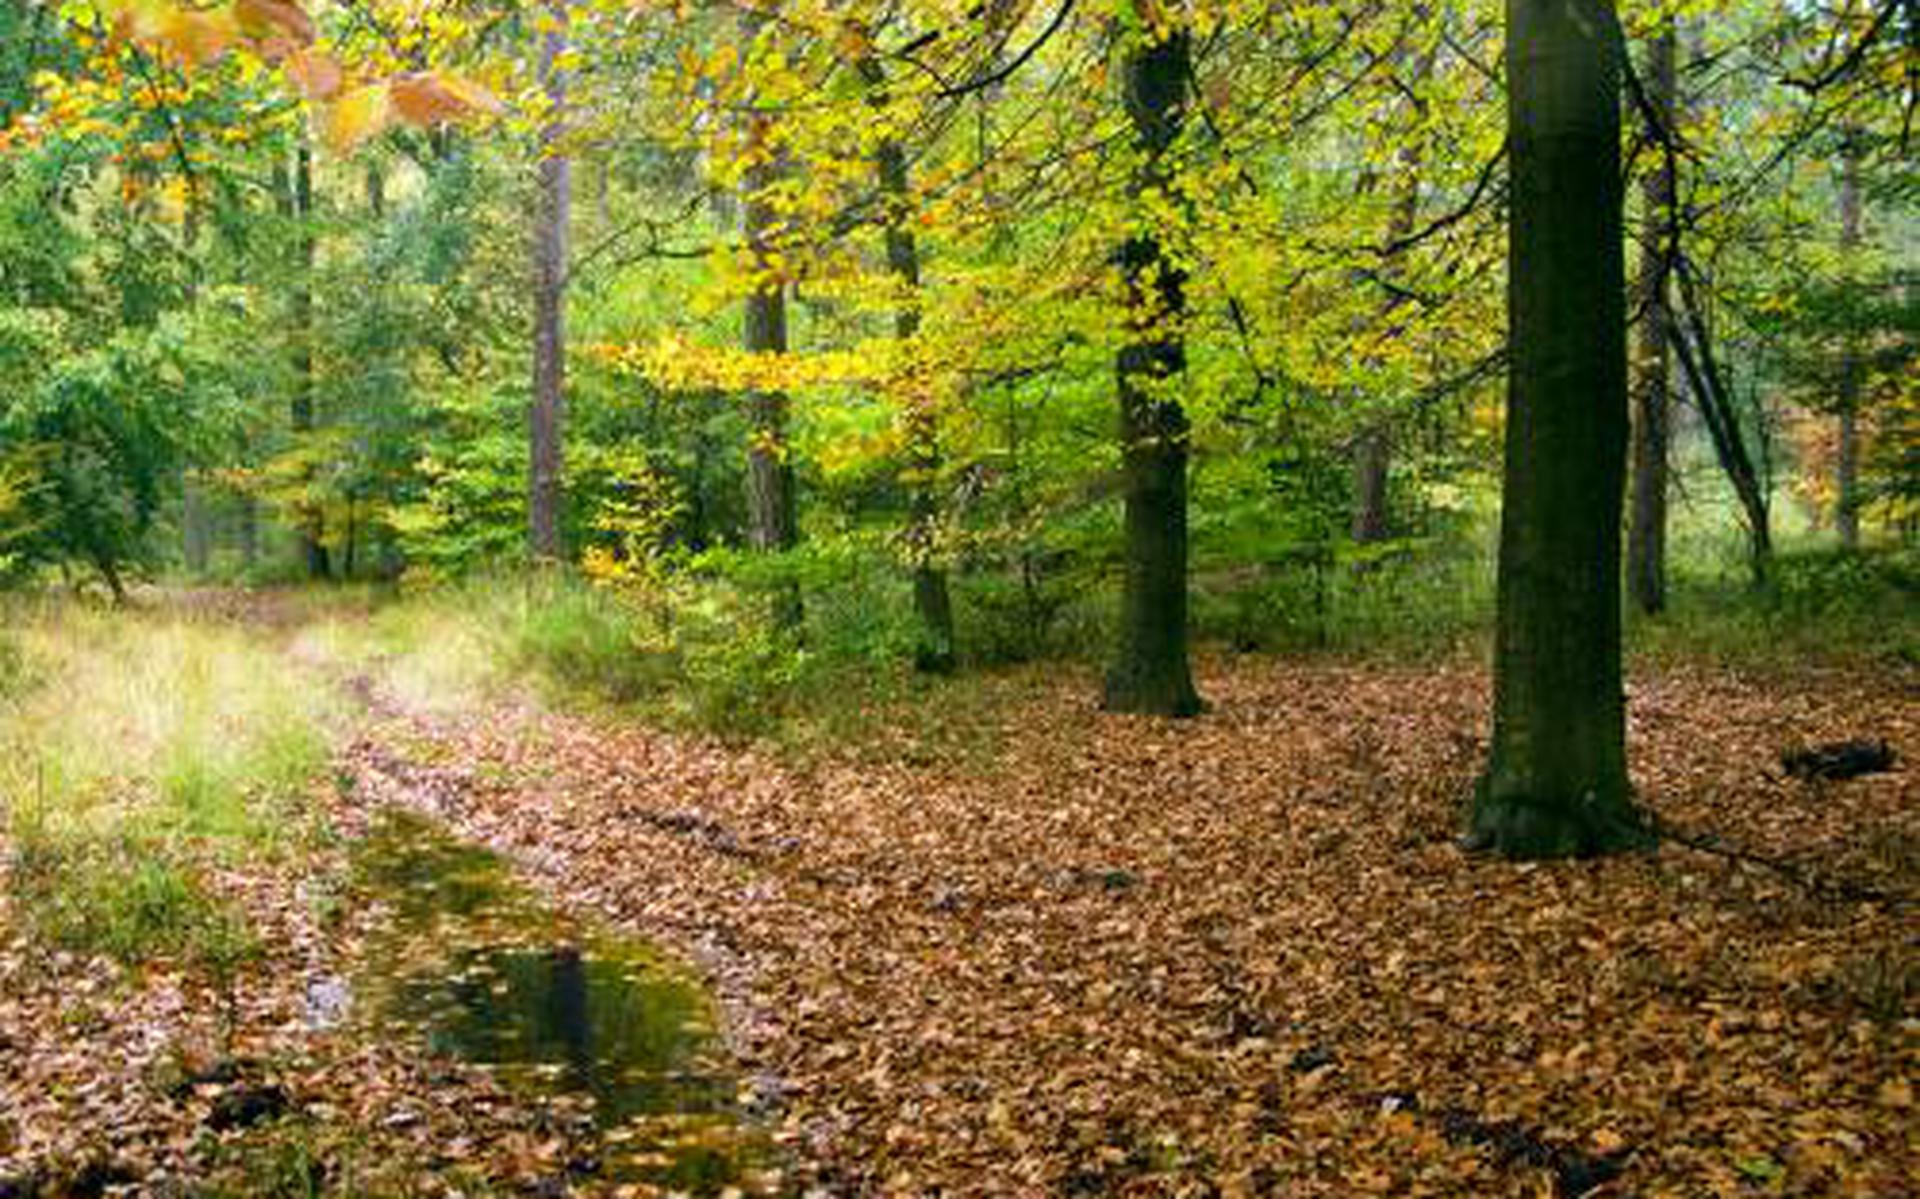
[[1088, 954]]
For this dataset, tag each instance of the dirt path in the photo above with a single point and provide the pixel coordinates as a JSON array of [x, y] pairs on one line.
[[1243, 955]]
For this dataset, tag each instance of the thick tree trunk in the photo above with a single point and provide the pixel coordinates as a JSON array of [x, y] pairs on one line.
[[1846, 517], [1556, 779], [310, 517], [546, 415], [1151, 673], [1647, 523]]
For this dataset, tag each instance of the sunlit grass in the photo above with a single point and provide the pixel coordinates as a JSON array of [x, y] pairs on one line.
[[136, 748]]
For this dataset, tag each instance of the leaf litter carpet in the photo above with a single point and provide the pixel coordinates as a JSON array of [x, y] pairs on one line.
[[1243, 955]]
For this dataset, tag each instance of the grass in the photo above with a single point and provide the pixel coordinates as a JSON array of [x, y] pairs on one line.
[[135, 750]]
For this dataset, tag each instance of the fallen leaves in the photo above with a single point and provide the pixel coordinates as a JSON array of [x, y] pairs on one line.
[[1129, 956], [1239, 956]]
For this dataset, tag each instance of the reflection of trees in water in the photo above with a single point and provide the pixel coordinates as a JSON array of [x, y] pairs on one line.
[[567, 1009]]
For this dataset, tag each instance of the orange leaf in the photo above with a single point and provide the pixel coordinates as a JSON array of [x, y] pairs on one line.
[[423, 99], [316, 74], [264, 18], [196, 37], [357, 116]]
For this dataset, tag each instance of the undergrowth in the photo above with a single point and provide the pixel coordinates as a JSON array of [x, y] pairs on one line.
[[699, 649]]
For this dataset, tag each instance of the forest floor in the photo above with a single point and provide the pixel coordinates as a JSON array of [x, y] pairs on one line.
[[1077, 953]]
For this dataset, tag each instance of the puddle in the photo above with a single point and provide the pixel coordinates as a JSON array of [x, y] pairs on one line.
[[557, 1008]]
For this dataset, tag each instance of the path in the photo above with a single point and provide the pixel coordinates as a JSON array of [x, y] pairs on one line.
[[1245, 952]]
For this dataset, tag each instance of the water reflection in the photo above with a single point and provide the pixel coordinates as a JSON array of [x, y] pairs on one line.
[[488, 973]]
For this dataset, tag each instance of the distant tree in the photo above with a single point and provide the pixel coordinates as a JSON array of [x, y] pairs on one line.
[[1647, 525], [547, 412], [772, 512], [1556, 779], [310, 514], [933, 648], [1846, 514]]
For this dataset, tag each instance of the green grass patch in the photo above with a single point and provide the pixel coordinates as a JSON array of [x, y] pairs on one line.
[[1819, 606]]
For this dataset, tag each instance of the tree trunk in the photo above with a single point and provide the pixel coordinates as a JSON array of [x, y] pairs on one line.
[[1373, 450], [934, 646], [1846, 517], [310, 516], [1151, 673], [1647, 524], [772, 517], [547, 413], [1556, 778], [1691, 341], [196, 527], [249, 532]]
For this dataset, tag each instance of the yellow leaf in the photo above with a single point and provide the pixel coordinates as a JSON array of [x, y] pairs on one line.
[[358, 115], [471, 94], [196, 37]]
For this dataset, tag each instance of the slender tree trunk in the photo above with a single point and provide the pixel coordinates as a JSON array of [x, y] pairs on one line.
[[1846, 517], [310, 517], [249, 532], [1556, 778], [1691, 342], [934, 648], [547, 414], [1151, 673], [196, 526], [1647, 524], [772, 513], [1373, 450]]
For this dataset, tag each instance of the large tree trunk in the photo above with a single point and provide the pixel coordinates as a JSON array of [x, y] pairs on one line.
[[547, 413], [934, 646], [1556, 779], [1151, 673], [1647, 522], [310, 516], [1846, 517]]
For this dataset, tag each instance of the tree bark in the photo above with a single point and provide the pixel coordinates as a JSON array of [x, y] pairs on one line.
[[772, 515], [1846, 516], [1647, 523], [546, 415], [1556, 778], [310, 516], [1151, 672]]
